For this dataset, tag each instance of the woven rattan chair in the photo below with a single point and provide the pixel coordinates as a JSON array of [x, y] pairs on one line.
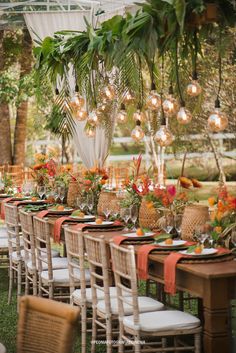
[[53, 281], [105, 311], [159, 324], [46, 326], [76, 261], [4, 259], [16, 252]]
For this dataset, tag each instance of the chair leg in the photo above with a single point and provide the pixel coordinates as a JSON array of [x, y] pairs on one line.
[[197, 342], [51, 291], [94, 331], [109, 334], [10, 283], [137, 347], [19, 279], [83, 328], [121, 333], [35, 283], [26, 281]]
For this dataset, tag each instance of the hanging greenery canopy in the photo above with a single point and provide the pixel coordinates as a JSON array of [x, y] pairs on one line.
[[158, 47]]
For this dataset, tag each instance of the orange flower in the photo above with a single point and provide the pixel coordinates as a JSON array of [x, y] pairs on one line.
[[196, 183], [219, 216], [220, 206], [211, 201], [150, 205], [185, 182], [218, 229], [213, 215], [103, 181], [182, 196]]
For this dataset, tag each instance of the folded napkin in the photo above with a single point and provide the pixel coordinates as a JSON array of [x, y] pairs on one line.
[[3, 208], [118, 239], [17, 203], [170, 263], [57, 227], [42, 214]]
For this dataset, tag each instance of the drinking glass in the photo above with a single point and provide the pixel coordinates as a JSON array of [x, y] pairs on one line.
[[134, 215], [41, 191], [168, 223], [125, 215], [107, 212], [178, 222], [90, 202], [201, 234], [55, 193], [61, 193], [82, 203]]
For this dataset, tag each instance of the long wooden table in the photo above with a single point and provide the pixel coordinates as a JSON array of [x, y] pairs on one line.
[[214, 283]]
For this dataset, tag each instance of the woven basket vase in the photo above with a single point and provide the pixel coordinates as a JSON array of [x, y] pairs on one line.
[[104, 201], [73, 192], [148, 218], [193, 216]]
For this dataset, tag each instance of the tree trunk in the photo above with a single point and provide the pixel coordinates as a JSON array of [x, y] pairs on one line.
[[22, 110], [5, 130]]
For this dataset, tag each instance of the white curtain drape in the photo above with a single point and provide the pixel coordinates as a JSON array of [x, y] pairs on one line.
[[92, 151]]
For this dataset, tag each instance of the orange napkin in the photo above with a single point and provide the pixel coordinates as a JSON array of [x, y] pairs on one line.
[[57, 228], [170, 271], [221, 251], [17, 203], [118, 239], [2, 206], [42, 214], [142, 260]]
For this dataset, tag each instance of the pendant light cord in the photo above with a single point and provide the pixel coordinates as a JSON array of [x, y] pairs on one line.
[[194, 73], [220, 64], [163, 118], [182, 103]]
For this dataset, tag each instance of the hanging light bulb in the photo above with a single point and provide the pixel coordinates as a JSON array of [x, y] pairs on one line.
[[218, 120], [138, 115], [108, 92], [164, 136], [122, 116], [170, 104], [93, 118], [102, 108], [154, 99], [137, 133], [128, 98], [81, 115], [76, 101], [90, 131], [194, 89], [184, 116]]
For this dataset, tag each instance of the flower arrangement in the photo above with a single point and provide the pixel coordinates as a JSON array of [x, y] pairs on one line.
[[44, 168], [223, 214]]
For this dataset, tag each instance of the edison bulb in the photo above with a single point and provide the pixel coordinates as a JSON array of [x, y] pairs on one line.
[[194, 89], [102, 108], [93, 118], [138, 115], [122, 116], [184, 116], [90, 131], [128, 98], [76, 101], [81, 115], [170, 106], [109, 92], [217, 121], [164, 136], [153, 100], [137, 133]]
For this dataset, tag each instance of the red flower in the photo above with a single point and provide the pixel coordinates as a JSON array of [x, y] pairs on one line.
[[87, 182], [171, 190], [232, 203], [105, 177]]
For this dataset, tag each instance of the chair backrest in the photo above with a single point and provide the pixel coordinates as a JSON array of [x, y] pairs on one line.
[[13, 228], [75, 250], [27, 228], [46, 326], [124, 268], [43, 245], [98, 256]]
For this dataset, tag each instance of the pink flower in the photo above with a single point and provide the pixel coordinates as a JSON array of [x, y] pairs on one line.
[[171, 190]]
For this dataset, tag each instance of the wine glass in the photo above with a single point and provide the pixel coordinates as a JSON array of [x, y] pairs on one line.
[[168, 223], [125, 215], [41, 191], [90, 202], [61, 193], [82, 203], [201, 234], [107, 212], [178, 223], [115, 208], [134, 215]]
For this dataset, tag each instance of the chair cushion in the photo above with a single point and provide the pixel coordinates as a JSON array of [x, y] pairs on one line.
[[62, 276], [57, 263], [3, 232], [163, 321], [3, 242], [54, 253], [145, 304], [76, 295]]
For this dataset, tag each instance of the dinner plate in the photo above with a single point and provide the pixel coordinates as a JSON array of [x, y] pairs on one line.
[[86, 217], [104, 223], [174, 244], [134, 235], [205, 252], [65, 211]]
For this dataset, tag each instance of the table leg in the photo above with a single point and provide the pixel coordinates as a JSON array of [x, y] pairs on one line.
[[216, 331]]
